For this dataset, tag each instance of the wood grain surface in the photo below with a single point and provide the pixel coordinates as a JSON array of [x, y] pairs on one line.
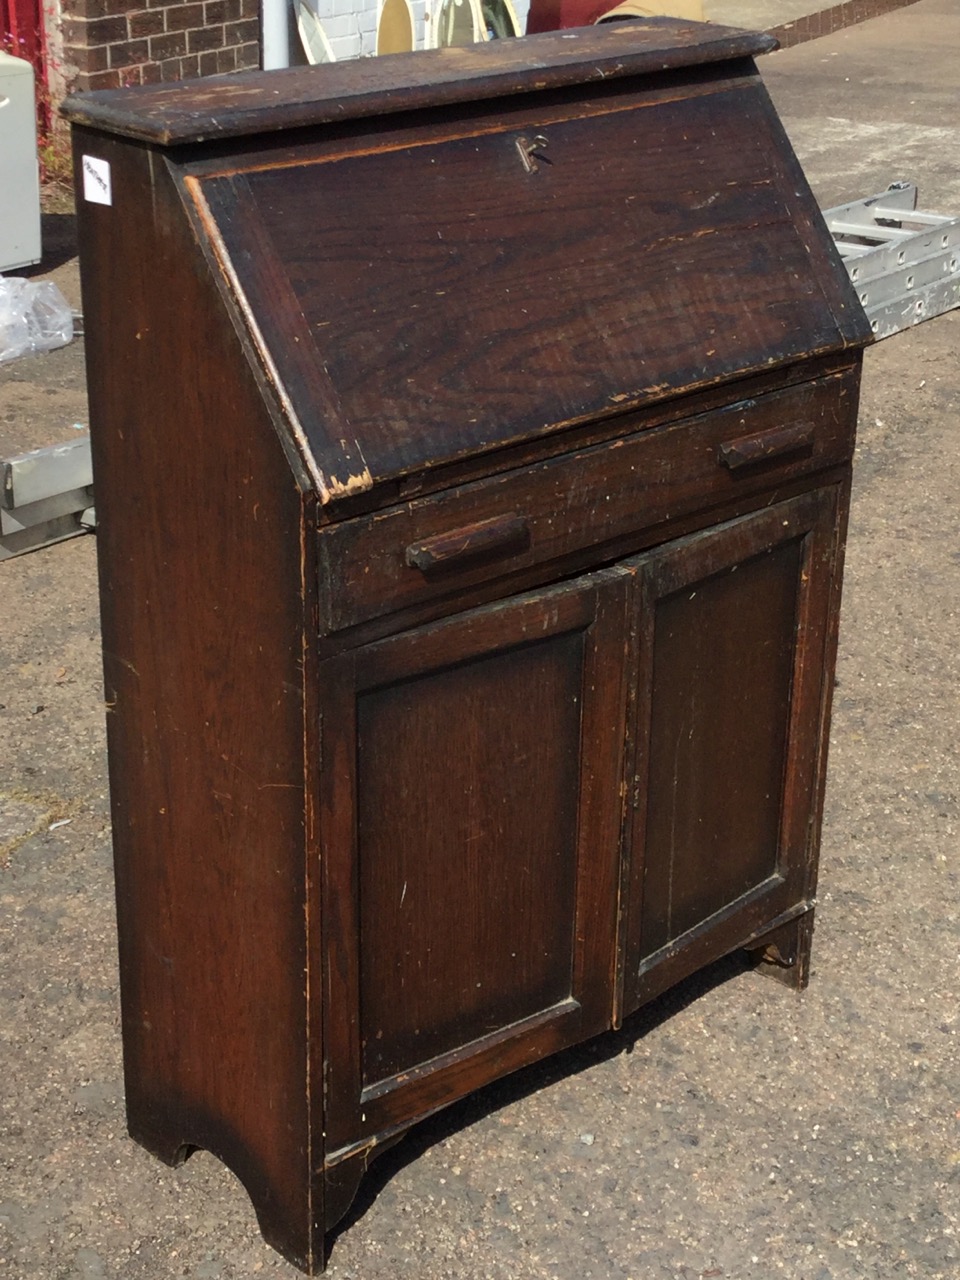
[[472, 443], [266, 102], [203, 604], [456, 304]]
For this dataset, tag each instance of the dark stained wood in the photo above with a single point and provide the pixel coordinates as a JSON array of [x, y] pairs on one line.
[[452, 797], [734, 622], [748, 451], [691, 404], [448, 316], [449, 957], [585, 500], [784, 953], [444, 551], [264, 102], [204, 597], [825, 263], [470, 542], [717, 745]]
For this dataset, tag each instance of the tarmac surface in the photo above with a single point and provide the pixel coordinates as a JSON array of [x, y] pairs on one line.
[[732, 1129]]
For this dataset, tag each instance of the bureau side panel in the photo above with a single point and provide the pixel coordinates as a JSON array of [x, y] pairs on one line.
[[203, 606]]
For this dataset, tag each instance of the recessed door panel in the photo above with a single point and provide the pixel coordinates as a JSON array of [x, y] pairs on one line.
[[722, 676], [730, 715], [467, 802], [471, 823]]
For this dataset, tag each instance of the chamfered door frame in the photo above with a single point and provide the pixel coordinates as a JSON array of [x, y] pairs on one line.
[[594, 606], [815, 520]]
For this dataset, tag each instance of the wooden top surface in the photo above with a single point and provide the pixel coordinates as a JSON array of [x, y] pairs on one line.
[[269, 101]]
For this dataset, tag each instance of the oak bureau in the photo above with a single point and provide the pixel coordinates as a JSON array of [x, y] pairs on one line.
[[472, 436]]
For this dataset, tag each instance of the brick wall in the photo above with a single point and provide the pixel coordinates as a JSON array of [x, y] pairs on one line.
[[106, 44], [109, 43]]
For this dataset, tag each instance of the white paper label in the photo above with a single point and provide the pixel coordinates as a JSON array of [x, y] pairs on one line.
[[96, 181]]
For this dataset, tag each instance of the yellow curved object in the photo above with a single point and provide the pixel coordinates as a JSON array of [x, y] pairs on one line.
[[395, 28]]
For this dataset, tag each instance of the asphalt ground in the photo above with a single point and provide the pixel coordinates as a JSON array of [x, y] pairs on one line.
[[732, 1129]]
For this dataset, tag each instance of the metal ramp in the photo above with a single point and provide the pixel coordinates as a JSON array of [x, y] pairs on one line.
[[903, 262], [45, 496]]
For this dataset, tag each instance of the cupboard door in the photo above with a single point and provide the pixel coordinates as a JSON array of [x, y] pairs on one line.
[[470, 824], [734, 625]]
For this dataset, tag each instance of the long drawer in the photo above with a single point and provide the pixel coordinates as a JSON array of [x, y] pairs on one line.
[[412, 553]]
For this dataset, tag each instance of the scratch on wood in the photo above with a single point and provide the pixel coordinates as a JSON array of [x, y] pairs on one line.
[[124, 662]]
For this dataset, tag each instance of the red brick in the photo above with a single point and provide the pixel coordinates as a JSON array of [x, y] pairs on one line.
[[149, 22], [208, 63], [95, 8], [74, 31], [184, 17], [248, 57], [87, 59], [214, 12], [189, 67], [171, 45], [205, 38], [105, 30], [170, 69], [242, 32], [104, 80], [150, 73], [129, 53], [226, 60]]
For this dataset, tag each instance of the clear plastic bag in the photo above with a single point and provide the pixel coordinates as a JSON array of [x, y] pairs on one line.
[[34, 316]]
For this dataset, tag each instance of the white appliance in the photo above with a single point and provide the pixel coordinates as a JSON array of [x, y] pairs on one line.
[[19, 171]]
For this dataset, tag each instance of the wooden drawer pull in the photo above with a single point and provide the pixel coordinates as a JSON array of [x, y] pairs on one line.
[[749, 450], [446, 550]]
